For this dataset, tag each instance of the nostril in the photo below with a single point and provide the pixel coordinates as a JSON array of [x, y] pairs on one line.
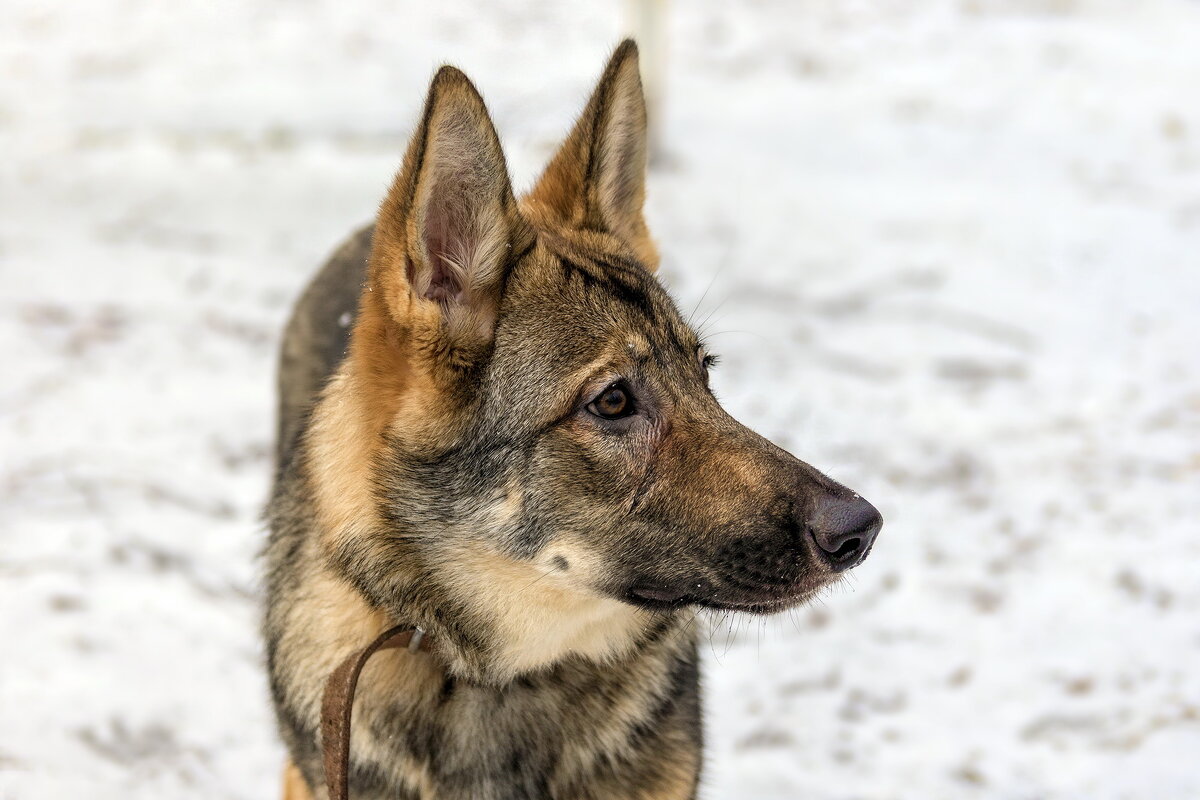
[[847, 548]]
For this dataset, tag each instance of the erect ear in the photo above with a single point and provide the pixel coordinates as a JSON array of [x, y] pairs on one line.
[[597, 180], [449, 225]]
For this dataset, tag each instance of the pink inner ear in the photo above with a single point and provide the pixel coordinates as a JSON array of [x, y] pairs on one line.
[[444, 239]]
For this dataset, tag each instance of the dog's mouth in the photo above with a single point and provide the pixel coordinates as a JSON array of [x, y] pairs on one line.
[[655, 597]]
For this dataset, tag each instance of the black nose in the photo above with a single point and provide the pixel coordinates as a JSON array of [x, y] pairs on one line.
[[844, 529]]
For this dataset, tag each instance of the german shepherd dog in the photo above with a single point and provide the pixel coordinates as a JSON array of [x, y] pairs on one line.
[[496, 425]]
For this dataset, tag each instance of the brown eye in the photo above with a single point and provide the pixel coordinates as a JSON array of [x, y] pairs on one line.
[[613, 403]]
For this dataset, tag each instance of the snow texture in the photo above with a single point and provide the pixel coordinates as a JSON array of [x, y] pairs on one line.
[[949, 252]]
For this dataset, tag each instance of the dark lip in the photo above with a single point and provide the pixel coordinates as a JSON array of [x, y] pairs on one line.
[[651, 604], [768, 606]]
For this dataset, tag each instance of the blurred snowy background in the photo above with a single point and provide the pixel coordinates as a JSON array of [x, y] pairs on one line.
[[950, 252]]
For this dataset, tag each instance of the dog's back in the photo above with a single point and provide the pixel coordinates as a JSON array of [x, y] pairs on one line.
[[317, 335]]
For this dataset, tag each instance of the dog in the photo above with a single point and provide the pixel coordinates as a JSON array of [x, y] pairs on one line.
[[495, 425]]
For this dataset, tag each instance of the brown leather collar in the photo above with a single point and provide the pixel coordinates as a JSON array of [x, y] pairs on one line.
[[339, 698]]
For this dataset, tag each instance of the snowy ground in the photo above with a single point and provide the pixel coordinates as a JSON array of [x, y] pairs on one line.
[[954, 256]]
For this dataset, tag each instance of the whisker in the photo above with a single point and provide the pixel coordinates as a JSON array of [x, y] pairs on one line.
[[711, 281]]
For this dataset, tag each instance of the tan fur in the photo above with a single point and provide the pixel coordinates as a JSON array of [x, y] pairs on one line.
[[378, 389], [294, 787], [344, 445], [541, 615], [678, 782], [327, 622]]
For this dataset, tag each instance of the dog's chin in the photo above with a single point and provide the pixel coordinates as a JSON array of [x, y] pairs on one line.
[[660, 600], [767, 606]]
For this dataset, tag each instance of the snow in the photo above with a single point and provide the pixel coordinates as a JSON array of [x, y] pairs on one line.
[[948, 251]]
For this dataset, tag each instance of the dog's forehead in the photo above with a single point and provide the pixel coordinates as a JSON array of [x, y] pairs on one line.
[[582, 290]]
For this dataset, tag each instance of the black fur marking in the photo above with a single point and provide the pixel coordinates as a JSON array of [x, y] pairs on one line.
[[515, 261], [422, 139], [615, 285], [519, 257], [594, 219], [371, 780], [617, 263], [644, 487]]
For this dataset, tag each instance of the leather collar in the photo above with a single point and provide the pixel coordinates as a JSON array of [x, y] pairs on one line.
[[338, 699]]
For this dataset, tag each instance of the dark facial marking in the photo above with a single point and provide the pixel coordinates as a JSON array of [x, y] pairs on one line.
[[611, 283]]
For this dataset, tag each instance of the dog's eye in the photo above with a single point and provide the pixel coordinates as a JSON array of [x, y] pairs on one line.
[[614, 402]]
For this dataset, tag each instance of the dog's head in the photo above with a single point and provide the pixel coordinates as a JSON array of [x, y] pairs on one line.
[[538, 398]]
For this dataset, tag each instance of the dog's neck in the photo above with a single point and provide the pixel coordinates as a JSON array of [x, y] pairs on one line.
[[530, 616], [496, 618]]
